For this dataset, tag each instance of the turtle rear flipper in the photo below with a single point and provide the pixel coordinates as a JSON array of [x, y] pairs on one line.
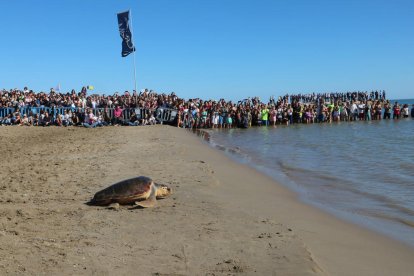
[[150, 201]]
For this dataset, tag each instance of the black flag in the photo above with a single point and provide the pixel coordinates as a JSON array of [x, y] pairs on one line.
[[125, 32]]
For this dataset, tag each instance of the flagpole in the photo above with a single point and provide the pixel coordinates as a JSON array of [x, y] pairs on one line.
[[135, 70]]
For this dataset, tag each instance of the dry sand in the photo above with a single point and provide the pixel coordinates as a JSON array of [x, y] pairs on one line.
[[223, 218]]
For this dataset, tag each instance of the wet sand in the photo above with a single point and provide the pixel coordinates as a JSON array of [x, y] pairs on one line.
[[223, 218]]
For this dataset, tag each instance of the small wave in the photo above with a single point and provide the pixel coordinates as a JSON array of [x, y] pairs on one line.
[[384, 216], [235, 151], [203, 134], [308, 175], [312, 179], [407, 167]]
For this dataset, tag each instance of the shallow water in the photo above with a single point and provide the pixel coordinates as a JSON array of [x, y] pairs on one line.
[[359, 171]]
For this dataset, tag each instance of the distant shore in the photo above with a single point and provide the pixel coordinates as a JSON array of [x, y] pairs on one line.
[[223, 218]]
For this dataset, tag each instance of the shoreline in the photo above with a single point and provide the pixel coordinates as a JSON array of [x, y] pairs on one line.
[[359, 239], [234, 154], [223, 217]]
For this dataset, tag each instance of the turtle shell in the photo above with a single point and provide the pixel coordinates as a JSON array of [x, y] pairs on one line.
[[125, 192]]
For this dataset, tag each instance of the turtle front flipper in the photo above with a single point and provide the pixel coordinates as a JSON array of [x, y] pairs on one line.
[[151, 200]]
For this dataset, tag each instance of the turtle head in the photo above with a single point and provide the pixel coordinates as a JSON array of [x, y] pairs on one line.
[[163, 190]]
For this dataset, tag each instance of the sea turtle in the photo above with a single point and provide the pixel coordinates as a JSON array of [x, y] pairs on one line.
[[139, 190]]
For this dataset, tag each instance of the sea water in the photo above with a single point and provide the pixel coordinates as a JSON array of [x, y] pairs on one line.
[[360, 171]]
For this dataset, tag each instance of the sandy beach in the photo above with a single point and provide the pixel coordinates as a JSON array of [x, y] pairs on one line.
[[223, 218]]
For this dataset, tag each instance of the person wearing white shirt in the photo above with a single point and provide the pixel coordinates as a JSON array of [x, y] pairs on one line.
[[354, 111]]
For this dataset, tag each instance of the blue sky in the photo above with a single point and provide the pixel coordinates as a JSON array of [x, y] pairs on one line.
[[228, 49]]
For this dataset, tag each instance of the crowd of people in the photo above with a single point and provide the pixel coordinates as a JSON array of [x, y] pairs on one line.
[[284, 110], [359, 96], [86, 110], [79, 117], [80, 109], [16, 98]]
